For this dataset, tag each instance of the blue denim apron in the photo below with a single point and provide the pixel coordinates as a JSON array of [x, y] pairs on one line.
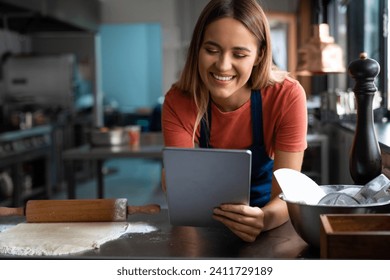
[[262, 164]]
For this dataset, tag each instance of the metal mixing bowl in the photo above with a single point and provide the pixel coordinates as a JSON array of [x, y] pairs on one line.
[[306, 218]]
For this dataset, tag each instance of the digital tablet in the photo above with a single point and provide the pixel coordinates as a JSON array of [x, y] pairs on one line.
[[198, 180]]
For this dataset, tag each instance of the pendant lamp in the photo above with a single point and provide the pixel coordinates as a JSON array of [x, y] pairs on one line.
[[320, 55]]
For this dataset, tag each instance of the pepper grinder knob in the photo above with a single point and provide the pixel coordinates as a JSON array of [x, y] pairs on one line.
[[365, 162]]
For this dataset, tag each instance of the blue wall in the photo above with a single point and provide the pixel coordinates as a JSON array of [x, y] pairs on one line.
[[131, 64]]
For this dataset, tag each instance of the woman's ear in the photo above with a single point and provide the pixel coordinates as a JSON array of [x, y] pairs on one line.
[[257, 61], [259, 57]]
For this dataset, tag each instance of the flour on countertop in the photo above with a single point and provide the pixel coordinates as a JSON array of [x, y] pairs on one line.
[[5, 227], [140, 227], [46, 239]]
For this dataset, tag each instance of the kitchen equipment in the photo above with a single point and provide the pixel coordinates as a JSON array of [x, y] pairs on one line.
[[377, 190], [82, 210], [109, 137], [306, 218], [45, 80], [27, 154], [338, 199], [364, 166], [298, 187], [38, 90]]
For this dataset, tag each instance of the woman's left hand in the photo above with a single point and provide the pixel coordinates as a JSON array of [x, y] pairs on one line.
[[245, 221]]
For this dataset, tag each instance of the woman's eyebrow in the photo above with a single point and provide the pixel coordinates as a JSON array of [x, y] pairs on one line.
[[238, 48]]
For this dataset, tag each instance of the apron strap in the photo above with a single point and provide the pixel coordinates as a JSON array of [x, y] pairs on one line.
[[204, 140], [257, 117]]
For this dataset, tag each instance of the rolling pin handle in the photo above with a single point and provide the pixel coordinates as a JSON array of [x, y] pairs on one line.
[[8, 211]]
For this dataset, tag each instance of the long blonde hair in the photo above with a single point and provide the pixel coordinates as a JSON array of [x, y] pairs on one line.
[[251, 15]]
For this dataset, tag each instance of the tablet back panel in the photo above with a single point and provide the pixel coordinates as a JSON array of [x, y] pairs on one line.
[[198, 180]]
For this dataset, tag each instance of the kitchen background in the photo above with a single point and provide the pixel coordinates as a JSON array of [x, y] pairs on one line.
[[69, 66]]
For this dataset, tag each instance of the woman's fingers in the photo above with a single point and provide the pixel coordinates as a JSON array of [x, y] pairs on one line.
[[245, 221], [244, 214], [246, 233]]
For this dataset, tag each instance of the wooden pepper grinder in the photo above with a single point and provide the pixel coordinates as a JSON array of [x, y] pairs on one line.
[[365, 161]]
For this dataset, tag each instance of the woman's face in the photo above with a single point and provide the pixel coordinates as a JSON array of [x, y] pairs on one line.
[[226, 58]]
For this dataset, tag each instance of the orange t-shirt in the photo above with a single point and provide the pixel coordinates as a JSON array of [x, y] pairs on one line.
[[284, 120]]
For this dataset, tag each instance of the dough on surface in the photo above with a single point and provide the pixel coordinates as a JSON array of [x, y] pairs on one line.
[[44, 239]]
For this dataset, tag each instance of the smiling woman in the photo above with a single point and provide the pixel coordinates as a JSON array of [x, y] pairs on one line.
[[231, 96]]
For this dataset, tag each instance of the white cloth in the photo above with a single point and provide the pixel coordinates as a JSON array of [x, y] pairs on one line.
[[43, 239]]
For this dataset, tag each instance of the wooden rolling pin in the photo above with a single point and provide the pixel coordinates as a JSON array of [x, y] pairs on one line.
[[78, 210]]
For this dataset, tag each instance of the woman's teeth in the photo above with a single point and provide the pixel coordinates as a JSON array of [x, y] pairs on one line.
[[223, 78]]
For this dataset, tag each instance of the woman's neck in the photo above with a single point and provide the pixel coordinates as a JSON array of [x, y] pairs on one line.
[[233, 102]]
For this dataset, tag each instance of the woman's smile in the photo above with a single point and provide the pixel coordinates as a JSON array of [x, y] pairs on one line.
[[228, 53], [222, 78]]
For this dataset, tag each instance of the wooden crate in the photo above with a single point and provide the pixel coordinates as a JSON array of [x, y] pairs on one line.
[[355, 236]]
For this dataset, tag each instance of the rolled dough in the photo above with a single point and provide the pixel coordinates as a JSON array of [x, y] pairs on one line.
[[28, 239]]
